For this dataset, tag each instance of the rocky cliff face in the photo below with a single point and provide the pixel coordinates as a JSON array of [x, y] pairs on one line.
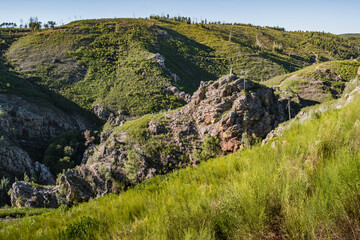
[[14, 161], [224, 115], [26, 129], [233, 108], [31, 125]]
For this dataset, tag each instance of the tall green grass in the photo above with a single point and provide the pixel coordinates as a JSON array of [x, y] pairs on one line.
[[303, 185]]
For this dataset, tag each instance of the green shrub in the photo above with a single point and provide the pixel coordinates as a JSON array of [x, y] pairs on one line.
[[4, 189], [209, 149], [79, 230], [132, 166], [64, 152]]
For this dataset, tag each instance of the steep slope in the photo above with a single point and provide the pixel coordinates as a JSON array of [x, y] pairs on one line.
[[303, 185], [111, 61], [222, 116], [30, 117]]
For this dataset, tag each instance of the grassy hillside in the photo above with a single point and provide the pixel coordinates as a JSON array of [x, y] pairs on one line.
[[303, 185], [109, 61], [317, 83], [350, 35], [13, 83]]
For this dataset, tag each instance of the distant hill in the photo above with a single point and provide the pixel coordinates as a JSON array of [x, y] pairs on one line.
[[111, 61], [317, 83], [350, 35]]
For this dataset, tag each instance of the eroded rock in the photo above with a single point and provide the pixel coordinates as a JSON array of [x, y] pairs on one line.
[[24, 194], [222, 109]]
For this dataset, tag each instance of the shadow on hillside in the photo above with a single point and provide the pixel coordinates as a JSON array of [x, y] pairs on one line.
[[296, 107], [181, 59], [289, 66], [13, 83]]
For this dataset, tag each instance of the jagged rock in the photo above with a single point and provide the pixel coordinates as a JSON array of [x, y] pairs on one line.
[[158, 59], [14, 161], [180, 94], [90, 180], [222, 108], [73, 188], [24, 194], [108, 115], [45, 176], [101, 112], [31, 126]]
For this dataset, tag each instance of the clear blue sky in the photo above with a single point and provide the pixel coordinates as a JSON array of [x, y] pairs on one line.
[[316, 15]]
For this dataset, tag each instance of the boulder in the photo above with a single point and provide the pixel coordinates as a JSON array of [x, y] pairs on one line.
[[24, 194], [73, 188]]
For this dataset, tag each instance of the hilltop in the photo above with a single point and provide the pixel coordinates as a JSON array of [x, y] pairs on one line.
[[111, 62]]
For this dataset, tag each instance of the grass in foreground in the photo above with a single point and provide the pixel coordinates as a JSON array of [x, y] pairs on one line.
[[304, 185], [6, 213]]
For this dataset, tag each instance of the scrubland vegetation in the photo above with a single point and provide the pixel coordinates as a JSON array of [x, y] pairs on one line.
[[110, 62], [303, 185]]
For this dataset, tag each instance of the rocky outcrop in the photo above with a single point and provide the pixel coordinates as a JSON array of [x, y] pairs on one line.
[[107, 115], [232, 107], [26, 128], [14, 161], [31, 126], [229, 114], [180, 94], [24, 194], [158, 59]]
